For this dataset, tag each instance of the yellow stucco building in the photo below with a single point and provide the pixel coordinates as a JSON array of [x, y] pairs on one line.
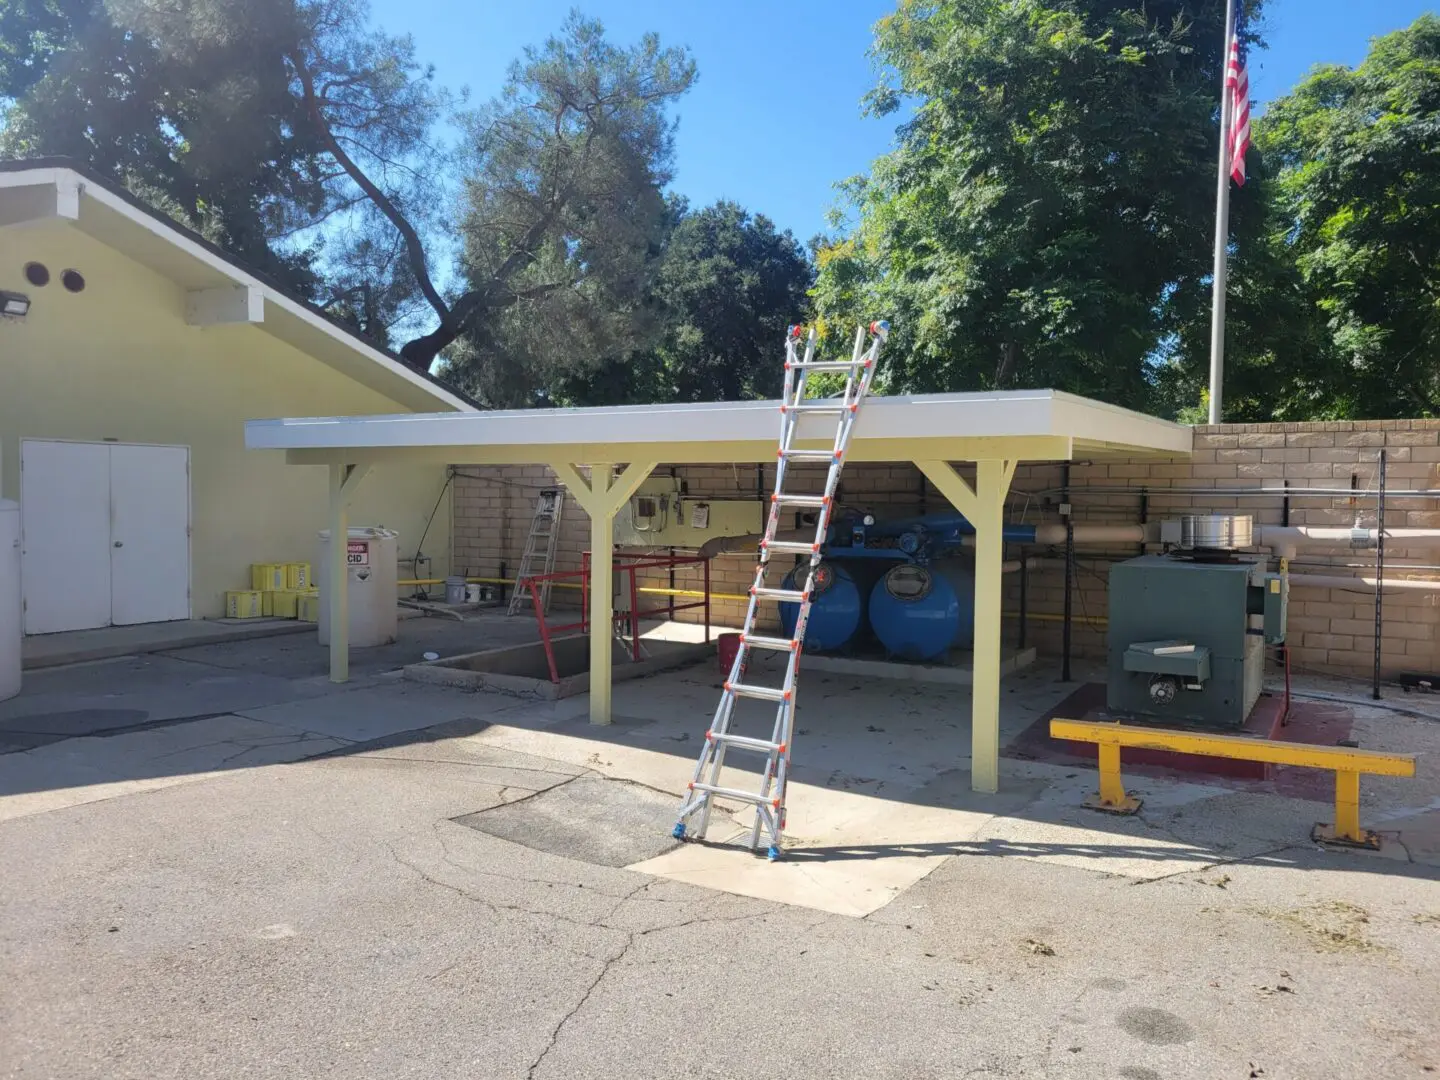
[[131, 355]]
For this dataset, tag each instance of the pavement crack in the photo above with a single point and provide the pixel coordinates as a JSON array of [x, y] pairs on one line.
[[556, 1031], [1207, 867]]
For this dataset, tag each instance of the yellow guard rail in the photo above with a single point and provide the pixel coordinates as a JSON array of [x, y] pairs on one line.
[[1346, 762]]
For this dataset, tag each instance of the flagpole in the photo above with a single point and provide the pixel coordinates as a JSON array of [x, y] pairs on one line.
[[1222, 228]]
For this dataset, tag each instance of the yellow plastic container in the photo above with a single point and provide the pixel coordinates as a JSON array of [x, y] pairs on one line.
[[281, 604], [244, 604], [298, 577], [267, 577], [307, 607]]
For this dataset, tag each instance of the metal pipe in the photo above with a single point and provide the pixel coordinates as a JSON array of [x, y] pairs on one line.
[[1024, 603], [1069, 578], [1379, 571], [1232, 492], [1362, 583], [1286, 539], [1222, 228]]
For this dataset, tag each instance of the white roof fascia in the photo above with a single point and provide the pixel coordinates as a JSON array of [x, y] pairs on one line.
[[68, 180], [930, 416]]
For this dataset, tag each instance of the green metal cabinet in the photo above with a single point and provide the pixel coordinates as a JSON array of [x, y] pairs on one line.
[[1187, 638]]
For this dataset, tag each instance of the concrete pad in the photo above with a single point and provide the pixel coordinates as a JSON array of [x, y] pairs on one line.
[[84, 770], [126, 693], [303, 657], [959, 673], [80, 646], [363, 713]]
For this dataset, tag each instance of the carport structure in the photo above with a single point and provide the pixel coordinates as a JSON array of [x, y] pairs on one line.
[[623, 445]]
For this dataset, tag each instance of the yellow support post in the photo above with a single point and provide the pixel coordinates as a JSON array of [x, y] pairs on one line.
[[984, 507], [601, 497], [1112, 797], [1347, 809]]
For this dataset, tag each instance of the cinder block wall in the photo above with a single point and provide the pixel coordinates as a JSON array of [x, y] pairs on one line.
[[1331, 630]]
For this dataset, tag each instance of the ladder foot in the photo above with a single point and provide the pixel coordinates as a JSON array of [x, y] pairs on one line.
[[679, 831], [773, 854]]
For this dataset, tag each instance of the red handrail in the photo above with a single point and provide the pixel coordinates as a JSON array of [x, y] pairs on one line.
[[630, 565]]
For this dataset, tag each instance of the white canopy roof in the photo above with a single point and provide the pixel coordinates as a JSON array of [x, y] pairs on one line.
[[1022, 424]]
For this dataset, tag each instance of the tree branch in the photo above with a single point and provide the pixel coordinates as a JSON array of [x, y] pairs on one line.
[[413, 246]]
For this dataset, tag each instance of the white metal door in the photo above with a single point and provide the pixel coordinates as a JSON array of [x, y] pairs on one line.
[[65, 530], [149, 533]]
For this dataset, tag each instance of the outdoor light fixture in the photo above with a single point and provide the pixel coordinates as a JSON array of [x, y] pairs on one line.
[[14, 305]]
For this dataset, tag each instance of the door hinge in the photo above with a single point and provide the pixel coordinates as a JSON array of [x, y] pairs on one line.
[[189, 531]]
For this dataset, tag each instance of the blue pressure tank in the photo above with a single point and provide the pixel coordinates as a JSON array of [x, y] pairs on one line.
[[836, 607], [919, 612]]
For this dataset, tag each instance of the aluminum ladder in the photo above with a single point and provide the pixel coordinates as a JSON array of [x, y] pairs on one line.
[[769, 800], [544, 530]]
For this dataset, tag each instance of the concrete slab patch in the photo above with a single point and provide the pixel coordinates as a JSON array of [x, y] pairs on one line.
[[591, 818]]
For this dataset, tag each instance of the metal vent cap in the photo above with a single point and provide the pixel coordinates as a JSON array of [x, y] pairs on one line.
[[1216, 532]]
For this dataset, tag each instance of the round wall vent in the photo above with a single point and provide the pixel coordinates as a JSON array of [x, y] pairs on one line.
[[37, 274], [72, 280]]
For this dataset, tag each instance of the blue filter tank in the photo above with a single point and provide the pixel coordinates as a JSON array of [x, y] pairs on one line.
[[921, 612], [836, 607]]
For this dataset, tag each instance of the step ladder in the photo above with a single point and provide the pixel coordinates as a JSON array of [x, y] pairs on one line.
[[539, 555], [769, 800]]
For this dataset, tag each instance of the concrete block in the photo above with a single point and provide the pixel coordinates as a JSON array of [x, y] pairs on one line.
[[1271, 471], [1213, 471], [1412, 438], [1286, 456], [1261, 440], [1309, 438], [1348, 455], [1216, 440], [1362, 438]]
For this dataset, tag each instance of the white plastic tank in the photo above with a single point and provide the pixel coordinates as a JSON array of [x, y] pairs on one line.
[[9, 599], [372, 572]]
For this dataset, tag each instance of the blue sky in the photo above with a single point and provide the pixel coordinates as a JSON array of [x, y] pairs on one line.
[[775, 120]]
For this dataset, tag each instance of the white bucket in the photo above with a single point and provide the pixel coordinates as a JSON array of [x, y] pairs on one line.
[[472, 594]]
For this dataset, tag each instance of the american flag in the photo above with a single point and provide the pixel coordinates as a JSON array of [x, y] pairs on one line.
[[1237, 84]]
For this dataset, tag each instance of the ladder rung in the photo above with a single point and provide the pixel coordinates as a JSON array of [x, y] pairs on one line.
[[830, 365], [759, 642], [794, 547], [761, 693], [765, 746], [819, 407], [817, 501], [735, 793], [810, 455], [794, 596]]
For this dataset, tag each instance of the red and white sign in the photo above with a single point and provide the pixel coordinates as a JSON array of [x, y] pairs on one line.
[[357, 553]]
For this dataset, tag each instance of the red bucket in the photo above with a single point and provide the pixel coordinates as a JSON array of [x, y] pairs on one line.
[[728, 647]]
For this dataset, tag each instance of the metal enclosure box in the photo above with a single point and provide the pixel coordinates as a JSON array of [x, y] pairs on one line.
[[1227, 610]]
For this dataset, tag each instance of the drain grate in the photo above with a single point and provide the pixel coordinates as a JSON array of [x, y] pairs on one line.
[[591, 818]]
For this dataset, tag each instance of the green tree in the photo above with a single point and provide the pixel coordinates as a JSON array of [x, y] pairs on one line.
[[727, 285], [1048, 212], [300, 139], [563, 214], [207, 132], [1356, 155]]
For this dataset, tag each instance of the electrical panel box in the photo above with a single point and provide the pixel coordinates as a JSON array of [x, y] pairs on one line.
[[661, 515]]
